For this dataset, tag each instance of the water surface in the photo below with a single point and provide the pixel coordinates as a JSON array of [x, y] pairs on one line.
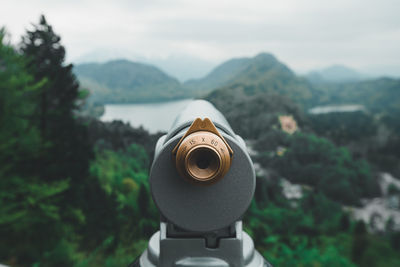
[[336, 108], [153, 117]]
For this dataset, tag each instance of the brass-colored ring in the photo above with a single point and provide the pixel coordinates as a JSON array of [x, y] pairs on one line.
[[203, 157]]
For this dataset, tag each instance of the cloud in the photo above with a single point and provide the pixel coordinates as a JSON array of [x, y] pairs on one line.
[[303, 33]]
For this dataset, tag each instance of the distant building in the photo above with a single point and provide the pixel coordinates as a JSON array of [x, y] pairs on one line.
[[288, 124]]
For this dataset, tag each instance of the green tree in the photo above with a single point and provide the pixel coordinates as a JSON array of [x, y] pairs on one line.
[[28, 206], [67, 151], [19, 138], [333, 171], [54, 177]]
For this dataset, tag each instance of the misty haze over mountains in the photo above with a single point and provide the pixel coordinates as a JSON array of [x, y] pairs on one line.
[[186, 67], [183, 67], [336, 73], [123, 81]]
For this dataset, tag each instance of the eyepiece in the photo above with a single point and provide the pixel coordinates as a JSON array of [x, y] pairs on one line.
[[202, 163], [202, 156]]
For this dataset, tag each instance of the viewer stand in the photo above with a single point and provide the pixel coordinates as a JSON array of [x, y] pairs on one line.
[[202, 181]]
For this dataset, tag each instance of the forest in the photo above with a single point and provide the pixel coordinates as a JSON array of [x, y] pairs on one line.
[[74, 190]]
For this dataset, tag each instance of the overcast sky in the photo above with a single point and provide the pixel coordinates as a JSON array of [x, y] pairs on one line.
[[305, 34]]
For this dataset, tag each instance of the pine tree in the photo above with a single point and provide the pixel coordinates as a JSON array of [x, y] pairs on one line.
[[26, 202], [65, 150], [65, 142]]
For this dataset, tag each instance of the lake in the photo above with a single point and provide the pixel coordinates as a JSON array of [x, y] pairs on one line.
[[154, 117], [336, 108], [159, 116]]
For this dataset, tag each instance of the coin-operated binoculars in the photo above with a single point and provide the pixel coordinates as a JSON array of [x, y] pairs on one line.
[[202, 180]]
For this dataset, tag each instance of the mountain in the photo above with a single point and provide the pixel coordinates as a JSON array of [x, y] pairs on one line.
[[123, 81], [179, 65], [336, 74], [220, 75], [264, 74], [263, 68]]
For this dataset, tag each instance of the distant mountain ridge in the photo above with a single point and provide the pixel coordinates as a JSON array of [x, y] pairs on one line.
[[175, 65], [342, 85], [123, 81], [335, 74]]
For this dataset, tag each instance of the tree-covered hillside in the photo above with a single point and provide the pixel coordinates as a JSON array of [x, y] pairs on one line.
[[378, 95], [265, 74], [248, 76], [123, 81]]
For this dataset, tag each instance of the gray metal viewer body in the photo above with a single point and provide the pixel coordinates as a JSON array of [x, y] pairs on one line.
[[201, 223]]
